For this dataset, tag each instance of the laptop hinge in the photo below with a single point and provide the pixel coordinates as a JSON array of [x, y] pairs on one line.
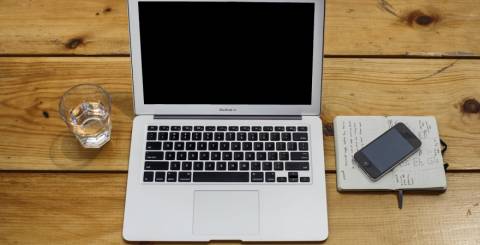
[[228, 117]]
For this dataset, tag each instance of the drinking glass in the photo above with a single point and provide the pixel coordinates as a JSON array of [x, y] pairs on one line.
[[85, 109]]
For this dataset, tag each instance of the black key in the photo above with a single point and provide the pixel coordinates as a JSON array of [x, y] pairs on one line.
[[244, 166], [216, 155], [256, 128], [247, 146], [207, 136], [304, 179], [283, 156], [273, 156], [290, 128], [175, 128], [278, 166], [286, 136], [204, 155], [281, 179], [279, 128], [181, 155], [292, 146], [159, 176], [190, 146], [184, 176], [241, 136], [302, 155], [179, 145], [257, 177], [292, 177], [255, 166], [300, 136], [270, 176], [245, 128], [185, 136], [187, 128], [197, 136], [172, 176], [175, 166], [209, 165], [249, 155], [274, 136], [220, 177], [232, 166], [252, 136], [226, 155], [198, 166], [266, 166], [258, 146], [152, 128], [296, 166], [236, 146], [233, 128], [303, 146], [156, 165], [167, 145], [210, 128], [174, 135], [163, 136], [230, 136], [221, 128], [152, 136], [212, 146], [269, 146], [154, 155], [164, 128], [154, 145], [192, 155], [198, 128], [224, 146], [261, 155], [302, 128], [202, 146], [219, 136], [186, 165], [148, 177], [281, 146], [263, 136], [267, 128], [238, 155], [221, 166]]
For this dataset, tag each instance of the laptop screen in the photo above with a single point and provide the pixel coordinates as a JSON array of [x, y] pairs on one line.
[[251, 53]]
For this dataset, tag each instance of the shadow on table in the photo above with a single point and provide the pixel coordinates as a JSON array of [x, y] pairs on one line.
[[67, 153]]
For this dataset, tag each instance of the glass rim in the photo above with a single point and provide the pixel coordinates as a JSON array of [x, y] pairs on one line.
[[100, 88]]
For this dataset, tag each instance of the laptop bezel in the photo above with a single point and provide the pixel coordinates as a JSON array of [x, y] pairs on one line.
[[226, 109]]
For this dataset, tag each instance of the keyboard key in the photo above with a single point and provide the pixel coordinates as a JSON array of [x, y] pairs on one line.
[[304, 179], [220, 177], [247, 146], [255, 166], [198, 166], [296, 166], [245, 128], [272, 156], [235, 146], [216, 155], [192, 155], [185, 136], [266, 166], [210, 128], [303, 146], [152, 128], [185, 177], [163, 136], [169, 155], [190, 146], [292, 146], [281, 179], [209, 165], [207, 136], [303, 155], [274, 136], [181, 155], [232, 166], [174, 135], [279, 128], [233, 128], [269, 146], [283, 156], [159, 176], [292, 177], [300, 136], [204, 155], [164, 128], [286, 136], [291, 128], [267, 128], [175, 166], [263, 136], [258, 146], [230, 136], [154, 155], [241, 136], [152, 136], [278, 166], [256, 128], [302, 128], [167, 145], [238, 155], [252, 136], [175, 128], [219, 136], [154, 145], [257, 177], [226, 155], [201, 146], [148, 177], [212, 146], [281, 146], [261, 155], [171, 176], [221, 166], [156, 165], [187, 128], [186, 165], [249, 155], [244, 166], [179, 145], [198, 128], [270, 176], [196, 136], [224, 146]]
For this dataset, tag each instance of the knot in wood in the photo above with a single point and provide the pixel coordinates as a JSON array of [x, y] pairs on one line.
[[471, 106]]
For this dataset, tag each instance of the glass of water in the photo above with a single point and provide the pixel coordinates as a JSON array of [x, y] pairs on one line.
[[85, 109]]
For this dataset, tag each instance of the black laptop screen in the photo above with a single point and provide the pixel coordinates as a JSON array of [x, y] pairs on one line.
[[227, 52]]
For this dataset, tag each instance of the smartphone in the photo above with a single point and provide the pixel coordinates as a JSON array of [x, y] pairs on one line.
[[387, 151]]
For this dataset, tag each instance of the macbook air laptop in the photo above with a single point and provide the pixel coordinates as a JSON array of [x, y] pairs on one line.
[[227, 140]]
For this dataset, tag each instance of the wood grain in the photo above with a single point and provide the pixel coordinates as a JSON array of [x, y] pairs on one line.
[[367, 27], [86, 208], [29, 87]]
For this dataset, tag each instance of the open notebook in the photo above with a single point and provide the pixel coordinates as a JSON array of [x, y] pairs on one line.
[[423, 170]]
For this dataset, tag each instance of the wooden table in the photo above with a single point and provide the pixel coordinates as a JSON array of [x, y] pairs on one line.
[[381, 58]]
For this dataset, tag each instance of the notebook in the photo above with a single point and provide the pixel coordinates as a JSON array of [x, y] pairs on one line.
[[422, 171]]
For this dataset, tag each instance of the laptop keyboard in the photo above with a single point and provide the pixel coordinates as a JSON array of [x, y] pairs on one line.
[[242, 154]]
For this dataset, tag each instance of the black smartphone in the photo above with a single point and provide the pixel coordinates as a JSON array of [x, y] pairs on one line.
[[387, 151]]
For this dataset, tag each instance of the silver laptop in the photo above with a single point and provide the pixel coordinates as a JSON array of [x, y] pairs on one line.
[[227, 140]]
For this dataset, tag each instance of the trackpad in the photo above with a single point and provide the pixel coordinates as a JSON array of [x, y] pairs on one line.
[[226, 212]]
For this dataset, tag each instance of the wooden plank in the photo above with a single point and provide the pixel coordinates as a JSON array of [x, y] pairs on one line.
[[31, 87], [82, 208], [394, 27]]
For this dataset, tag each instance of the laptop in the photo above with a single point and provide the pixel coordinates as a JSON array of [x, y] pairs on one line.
[[227, 140]]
